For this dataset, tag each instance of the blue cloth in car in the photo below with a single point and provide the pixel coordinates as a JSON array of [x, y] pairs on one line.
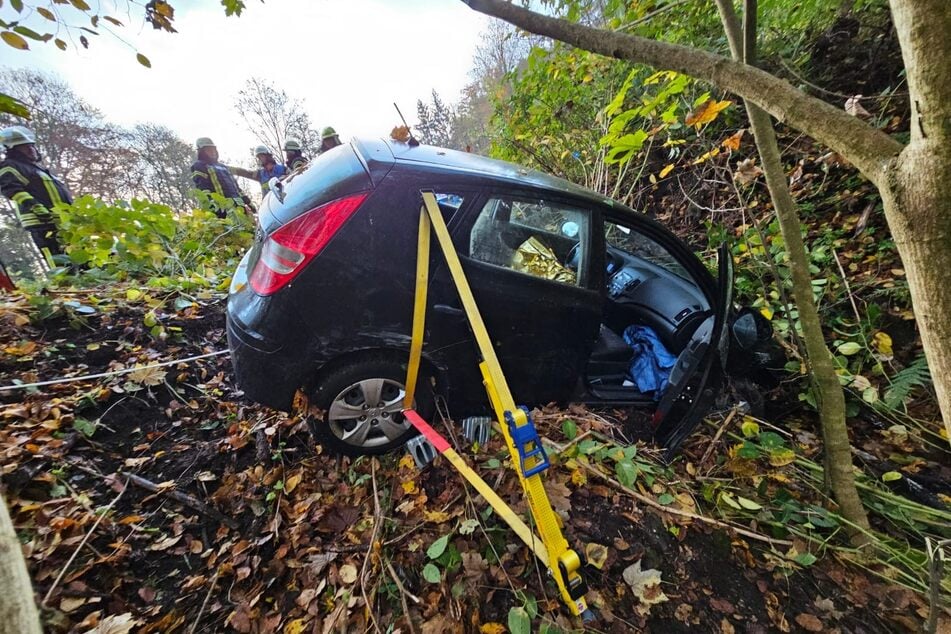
[[651, 363]]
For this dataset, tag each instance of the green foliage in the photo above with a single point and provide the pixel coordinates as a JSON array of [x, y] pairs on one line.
[[11, 105], [146, 241], [912, 376], [519, 621]]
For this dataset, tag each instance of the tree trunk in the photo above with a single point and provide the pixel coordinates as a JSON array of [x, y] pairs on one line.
[[917, 189], [831, 399], [17, 606], [918, 208]]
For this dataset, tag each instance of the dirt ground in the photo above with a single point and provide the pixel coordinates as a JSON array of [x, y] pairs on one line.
[[160, 501]]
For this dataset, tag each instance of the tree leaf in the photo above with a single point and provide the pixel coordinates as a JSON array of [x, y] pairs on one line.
[[749, 428], [728, 498], [468, 527], [805, 559], [33, 35], [142, 59], [891, 476], [733, 142], [109, 18], [438, 547], [233, 7], [80, 4], [46, 13], [883, 344], [748, 504], [14, 40], [626, 473], [348, 573], [519, 621], [596, 554], [431, 573], [849, 348], [11, 105], [569, 428], [667, 170], [706, 113]]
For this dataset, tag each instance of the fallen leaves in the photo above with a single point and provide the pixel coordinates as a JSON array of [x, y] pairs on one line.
[[809, 622], [596, 554], [348, 573], [746, 171], [147, 375], [116, 624], [645, 584]]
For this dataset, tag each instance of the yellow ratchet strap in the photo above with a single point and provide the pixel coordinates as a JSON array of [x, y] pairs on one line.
[[528, 457]]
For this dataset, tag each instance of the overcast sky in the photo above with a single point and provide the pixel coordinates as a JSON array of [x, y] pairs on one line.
[[349, 60]]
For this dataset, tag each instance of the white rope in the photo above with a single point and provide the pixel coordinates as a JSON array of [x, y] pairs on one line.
[[22, 386]]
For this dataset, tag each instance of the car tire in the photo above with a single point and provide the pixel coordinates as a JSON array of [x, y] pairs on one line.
[[350, 423]]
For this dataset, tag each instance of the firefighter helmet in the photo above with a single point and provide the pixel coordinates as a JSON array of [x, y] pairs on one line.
[[327, 133], [16, 135], [292, 144], [261, 149], [204, 141]]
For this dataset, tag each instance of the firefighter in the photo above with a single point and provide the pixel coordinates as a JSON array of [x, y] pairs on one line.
[[32, 188], [328, 139], [268, 168], [211, 176], [295, 159]]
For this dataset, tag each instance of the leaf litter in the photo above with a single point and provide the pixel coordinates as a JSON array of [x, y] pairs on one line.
[[243, 525]]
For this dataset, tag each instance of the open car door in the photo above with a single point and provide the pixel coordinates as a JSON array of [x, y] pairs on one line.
[[698, 372]]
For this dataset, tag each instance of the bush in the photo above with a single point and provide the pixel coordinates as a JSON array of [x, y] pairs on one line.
[[146, 241]]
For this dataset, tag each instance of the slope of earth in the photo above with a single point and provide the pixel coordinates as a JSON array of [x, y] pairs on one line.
[[157, 500]]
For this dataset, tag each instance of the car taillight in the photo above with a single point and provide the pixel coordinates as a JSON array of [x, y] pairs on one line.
[[288, 250]]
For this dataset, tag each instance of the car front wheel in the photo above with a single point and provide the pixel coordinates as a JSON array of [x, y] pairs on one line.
[[362, 405]]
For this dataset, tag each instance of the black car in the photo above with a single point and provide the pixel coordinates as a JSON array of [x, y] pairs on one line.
[[323, 301]]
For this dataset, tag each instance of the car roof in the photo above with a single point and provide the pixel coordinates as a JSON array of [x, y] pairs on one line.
[[456, 162]]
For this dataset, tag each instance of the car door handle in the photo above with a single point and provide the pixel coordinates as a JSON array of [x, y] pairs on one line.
[[452, 311]]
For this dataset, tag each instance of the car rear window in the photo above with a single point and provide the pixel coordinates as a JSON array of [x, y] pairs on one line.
[[332, 175]]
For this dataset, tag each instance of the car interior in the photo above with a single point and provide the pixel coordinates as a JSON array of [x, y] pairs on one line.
[[645, 285]]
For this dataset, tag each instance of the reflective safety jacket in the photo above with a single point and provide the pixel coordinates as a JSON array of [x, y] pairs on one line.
[[33, 190], [215, 177], [297, 163]]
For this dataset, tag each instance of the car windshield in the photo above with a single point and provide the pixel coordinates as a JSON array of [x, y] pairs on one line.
[[637, 244]]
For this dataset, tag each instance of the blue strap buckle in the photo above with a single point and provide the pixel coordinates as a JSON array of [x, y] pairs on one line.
[[531, 454]]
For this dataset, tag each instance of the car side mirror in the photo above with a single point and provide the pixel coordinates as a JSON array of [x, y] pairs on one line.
[[751, 328]]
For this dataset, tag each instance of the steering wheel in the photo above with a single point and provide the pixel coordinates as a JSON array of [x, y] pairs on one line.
[[571, 260]]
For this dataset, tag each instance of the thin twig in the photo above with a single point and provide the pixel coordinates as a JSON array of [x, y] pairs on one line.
[[101, 375], [377, 520], [403, 594], [62, 572], [178, 496], [214, 582], [716, 438], [651, 15]]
